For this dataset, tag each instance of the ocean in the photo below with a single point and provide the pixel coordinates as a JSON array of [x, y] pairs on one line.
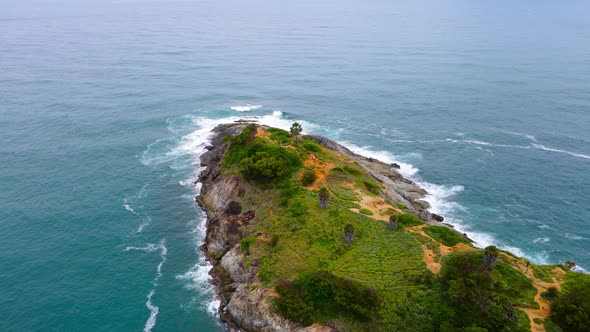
[[106, 106]]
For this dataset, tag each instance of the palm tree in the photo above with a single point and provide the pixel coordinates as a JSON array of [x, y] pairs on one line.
[[348, 233], [324, 195], [296, 130], [570, 264], [393, 223], [490, 257]]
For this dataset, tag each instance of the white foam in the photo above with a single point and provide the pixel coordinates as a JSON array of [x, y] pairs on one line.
[[440, 199], [574, 236], [146, 221], [541, 240], [150, 247], [527, 136], [574, 154], [245, 108], [197, 277], [131, 199], [151, 321]]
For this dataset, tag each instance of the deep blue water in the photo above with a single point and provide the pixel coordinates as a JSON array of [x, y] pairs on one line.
[[105, 107]]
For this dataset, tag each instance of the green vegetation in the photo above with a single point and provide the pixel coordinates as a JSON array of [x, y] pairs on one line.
[[571, 310], [331, 265], [296, 130], [279, 135], [482, 298], [445, 235], [308, 177], [246, 243], [259, 158], [366, 212], [408, 219], [371, 186], [310, 146], [550, 294], [320, 296], [543, 272]]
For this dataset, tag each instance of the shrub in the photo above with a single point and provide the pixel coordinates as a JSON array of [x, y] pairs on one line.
[[445, 235], [571, 311], [246, 243], [264, 165], [408, 219], [311, 147], [308, 177], [371, 186], [366, 212], [351, 170], [286, 195], [321, 296], [260, 159], [297, 209], [292, 303], [550, 294], [279, 135]]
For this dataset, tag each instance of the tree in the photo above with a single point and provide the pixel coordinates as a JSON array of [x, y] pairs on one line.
[[570, 264], [393, 223], [490, 257], [263, 165], [324, 195], [296, 130], [348, 233]]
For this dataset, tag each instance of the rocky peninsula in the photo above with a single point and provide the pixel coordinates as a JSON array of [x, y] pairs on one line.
[[305, 235]]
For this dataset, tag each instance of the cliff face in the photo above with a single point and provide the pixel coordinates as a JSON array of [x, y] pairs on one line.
[[245, 302], [242, 308]]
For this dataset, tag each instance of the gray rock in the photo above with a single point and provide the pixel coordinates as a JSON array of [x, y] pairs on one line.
[[437, 217]]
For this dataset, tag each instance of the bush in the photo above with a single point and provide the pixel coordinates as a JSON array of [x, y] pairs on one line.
[[246, 243], [351, 170], [550, 294], [292, 303], [260, 159], [366, 212], [263, 165], [311, 147], [320, 296], [371, 186], [445, 235], [297, 209], [408, 219], [571, 311], [279, 135], [308, 177]]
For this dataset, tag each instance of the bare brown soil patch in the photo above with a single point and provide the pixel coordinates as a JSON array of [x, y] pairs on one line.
[[321, 170]]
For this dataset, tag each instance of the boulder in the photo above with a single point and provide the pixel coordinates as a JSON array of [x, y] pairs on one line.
[[437, 217]]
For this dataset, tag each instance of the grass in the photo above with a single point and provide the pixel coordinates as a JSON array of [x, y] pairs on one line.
[[366, 212], [543, 272], [291, 236], [445, 236], [408, 219]]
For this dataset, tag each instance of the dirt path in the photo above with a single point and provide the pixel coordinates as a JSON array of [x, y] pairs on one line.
[[320, 169], [544, 306], [430, 255], [376, 205]]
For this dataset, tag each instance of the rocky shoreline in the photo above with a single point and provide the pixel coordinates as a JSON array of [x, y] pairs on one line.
[[245, 304]]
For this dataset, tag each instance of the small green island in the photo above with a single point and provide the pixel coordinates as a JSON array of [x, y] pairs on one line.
[[305, 235]]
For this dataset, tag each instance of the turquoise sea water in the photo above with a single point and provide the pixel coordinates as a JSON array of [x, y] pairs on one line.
[[105, 108]]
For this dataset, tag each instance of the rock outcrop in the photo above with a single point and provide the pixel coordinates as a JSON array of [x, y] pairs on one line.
[[245, 303]]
